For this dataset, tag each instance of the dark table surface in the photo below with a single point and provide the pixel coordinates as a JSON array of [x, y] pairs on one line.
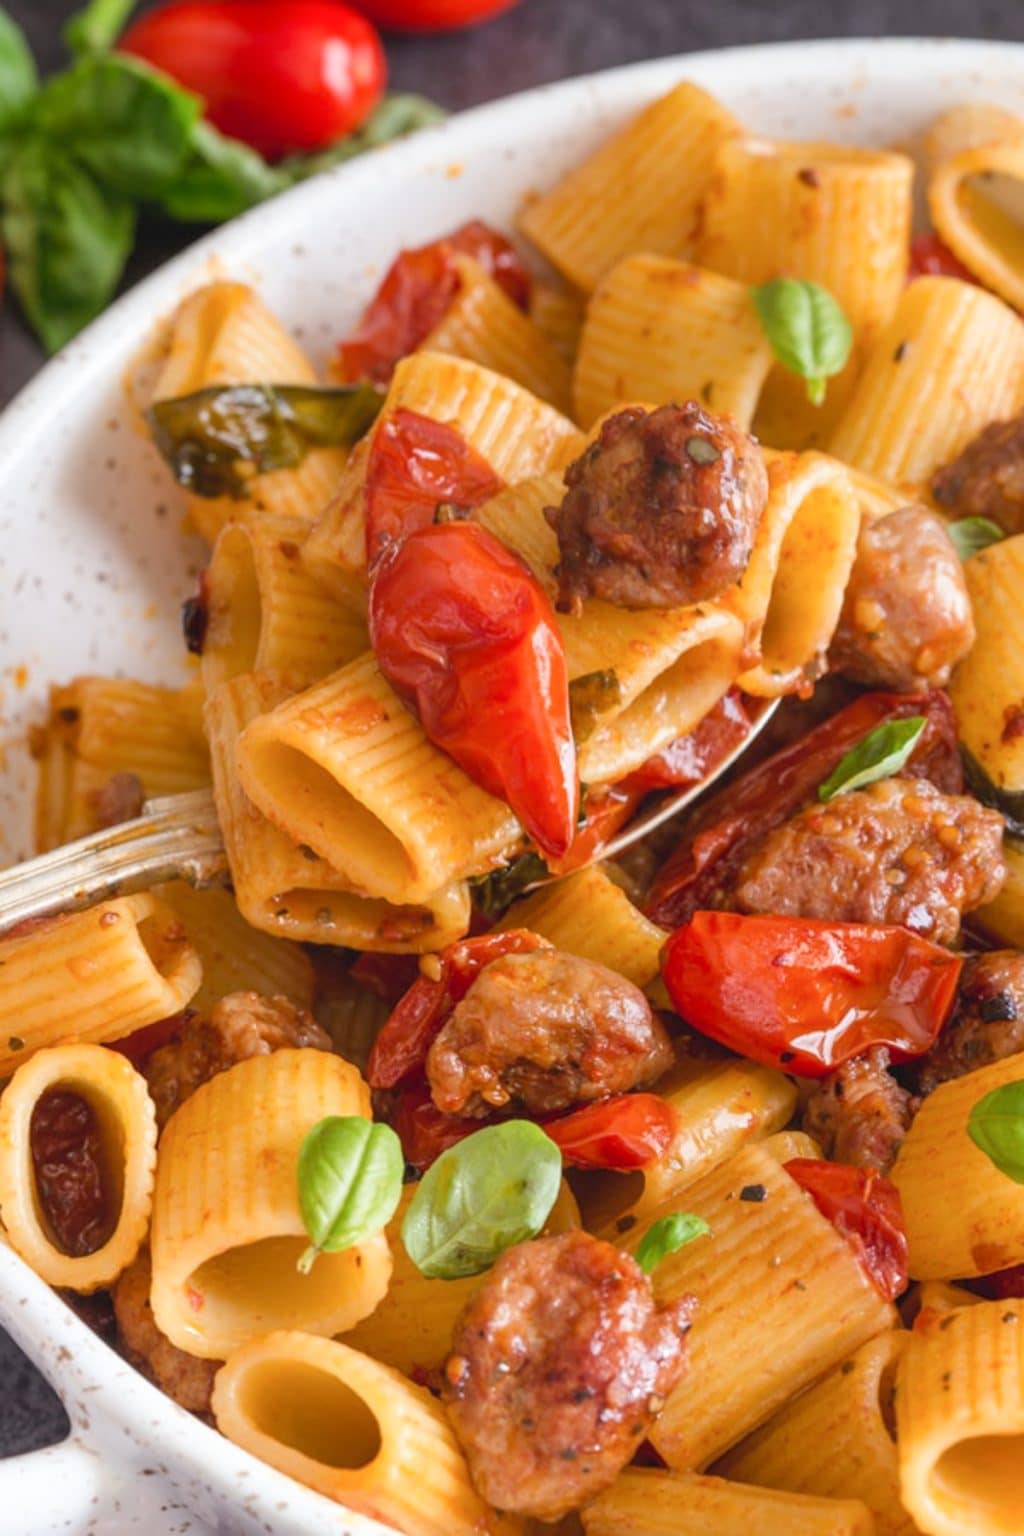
[[542, 40]]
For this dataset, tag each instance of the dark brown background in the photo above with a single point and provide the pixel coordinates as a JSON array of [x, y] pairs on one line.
[[539, 41]]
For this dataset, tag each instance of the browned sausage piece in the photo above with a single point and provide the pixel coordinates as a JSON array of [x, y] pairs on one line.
[[906, 618], [660, 510], [241, 1025], [987, 478], [896, 852], [186, 1378], [860, 1113], [988, 1024], [546, 1030], [559, 1364]]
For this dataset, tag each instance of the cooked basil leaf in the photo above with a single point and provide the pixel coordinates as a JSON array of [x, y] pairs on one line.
[[482, 1196], [592, 695], [215, 439], [350, 1183], [18, 78], [971, 534], [221, 177], [809, 333], [396, 116], [98, 26], [996, 1126], [882, 752], [1010, 803], [668, 1235], [494, 892]]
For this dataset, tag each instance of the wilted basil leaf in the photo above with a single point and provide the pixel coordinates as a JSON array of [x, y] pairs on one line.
[[221, 178], [494, 892], [395, 117], [216, 438], [808, 331], [996, 1126], [590, 696], [18, 79], [1010, 803], [350, 1183], [882, 752], [668, 1235], [491, 1191], [98, 26], [971, 534]]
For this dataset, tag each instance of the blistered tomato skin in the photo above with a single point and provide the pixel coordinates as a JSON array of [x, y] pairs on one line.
[[71, 1180], [866, 1209]]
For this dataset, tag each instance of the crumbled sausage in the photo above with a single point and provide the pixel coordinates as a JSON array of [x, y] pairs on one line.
[[897, 852], [241, 1025], [560, 1363], [860, 1113], [545, 1030], [987, 478], [988, 1023], [906, 618], [186, 1378], [120, 799], [660, 510]]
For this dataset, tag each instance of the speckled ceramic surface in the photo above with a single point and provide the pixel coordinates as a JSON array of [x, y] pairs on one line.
[[93, 568]]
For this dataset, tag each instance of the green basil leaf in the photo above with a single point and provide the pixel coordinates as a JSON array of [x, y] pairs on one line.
[[881, 753], [67, 240], [350, 1183], [668, 1235], [395, 117], [98, 26], [18, 78], [590, 696], [493, 893], [131, 125], [809, 333], [972, 534], [1008, 802], [216, 439], [996, 1126], [483, 1195], [221, 178]]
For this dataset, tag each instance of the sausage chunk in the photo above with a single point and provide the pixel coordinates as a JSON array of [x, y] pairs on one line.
[[241, 1025], [860, 1113], [559, 1364], [906, 618], [186, 1378], [545, 1030], [988, 1024], [898, 852], [660, 511], [987, 478]]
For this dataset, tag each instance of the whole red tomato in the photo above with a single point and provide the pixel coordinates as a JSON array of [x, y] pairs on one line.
[[282, 75], [431, 15]]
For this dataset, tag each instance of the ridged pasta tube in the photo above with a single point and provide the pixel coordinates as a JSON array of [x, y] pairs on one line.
[[988, 686], [644, 1502], [587, 914]]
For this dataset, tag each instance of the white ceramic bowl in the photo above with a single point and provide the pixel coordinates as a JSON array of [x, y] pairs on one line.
[[93, 568]]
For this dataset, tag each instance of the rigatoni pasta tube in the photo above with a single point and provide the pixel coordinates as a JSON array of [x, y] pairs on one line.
[[988, 686], [960, 1421], [227, 1230], [235, 956], [95, 976], [1002, 920], [963, 1216], [782, 1298], [971, 198], [587, 914], [119, 1100], [645, 1502], [670, 144], [836, 1440], [351, 1428]]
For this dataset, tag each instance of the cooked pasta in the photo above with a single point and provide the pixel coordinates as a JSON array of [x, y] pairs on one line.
[[235, 956], [989, 683], [644, 1502], [970, 197], [588, 914]]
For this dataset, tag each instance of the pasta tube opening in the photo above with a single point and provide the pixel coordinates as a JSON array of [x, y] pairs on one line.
[[979, 1479], [310, 1410], [261, 1281]]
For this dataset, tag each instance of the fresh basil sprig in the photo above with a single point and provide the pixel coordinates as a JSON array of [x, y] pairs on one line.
[[881, 753], [350, 1182], [216, 438], [18, 79], [809, 333], [970, 535], [996, 1126], [495, 892], [488, 1192], [668, 1235]]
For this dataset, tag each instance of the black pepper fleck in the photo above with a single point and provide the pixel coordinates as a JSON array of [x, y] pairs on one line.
[[753, 1193]]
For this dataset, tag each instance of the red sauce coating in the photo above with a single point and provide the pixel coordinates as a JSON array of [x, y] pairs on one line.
[[67, 1155]]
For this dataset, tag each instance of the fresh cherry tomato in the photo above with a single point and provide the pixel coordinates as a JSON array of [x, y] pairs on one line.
[[465, 634], [282, 75], [415, 294], [432, 15], [417, 464], [719, 835], [627, 1132], [406, 1036], [931, 257], [805, 995], [865, 1207], [424, 1130]]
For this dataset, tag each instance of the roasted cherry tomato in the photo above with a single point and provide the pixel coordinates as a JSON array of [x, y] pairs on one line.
[[931, 257], [66, 1146], [629, 1131], [865, 1207], [282, 75], [805, 995], [406, 1036], [417, 464], [719, 835], [415, 294], [690, 758], [432, 15], [424, 1130], [466, 636], [389, 976]]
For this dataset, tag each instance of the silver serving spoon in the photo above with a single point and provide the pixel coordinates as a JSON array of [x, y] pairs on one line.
[[177, 837]]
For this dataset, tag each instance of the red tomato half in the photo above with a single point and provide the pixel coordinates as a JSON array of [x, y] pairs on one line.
[[424, 1130], [931, 257], [805, 995], [432, 15], [627, 1132], [865, 1207], [282, 75]]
